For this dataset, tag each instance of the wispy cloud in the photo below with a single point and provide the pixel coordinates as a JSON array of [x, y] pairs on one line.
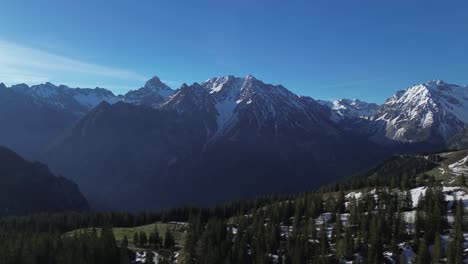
[[25, 64]]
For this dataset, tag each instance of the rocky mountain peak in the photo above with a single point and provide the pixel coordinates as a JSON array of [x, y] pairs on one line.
[[156, 84], [351, 108]]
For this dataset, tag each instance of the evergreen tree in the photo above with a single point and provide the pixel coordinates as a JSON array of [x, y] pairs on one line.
[[109, 249], [422, 256], [323, 240], [340, 202], [337, 230], [374, 254], [136, 239], [169, 241], [154, 238], [143, 239], [124, 259], [455, 251], [402, 259], [437, 250]]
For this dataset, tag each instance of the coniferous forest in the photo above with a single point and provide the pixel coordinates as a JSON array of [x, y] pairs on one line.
[[397, 212]]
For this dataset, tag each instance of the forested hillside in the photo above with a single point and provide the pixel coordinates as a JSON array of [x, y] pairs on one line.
[[29, 187], [409, 209]]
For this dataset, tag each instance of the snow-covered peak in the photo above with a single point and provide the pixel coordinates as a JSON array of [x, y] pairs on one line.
[[190, 99], [266, 103], [46, 90], [351, 108], [243, 89], [433, 109], [433, 95], [77, 100], [156, 84], [153, 94], [92, 97], [215, 85], [250, 77], [434, 84]]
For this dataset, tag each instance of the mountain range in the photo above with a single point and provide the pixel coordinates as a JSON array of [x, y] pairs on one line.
[[225, 138]]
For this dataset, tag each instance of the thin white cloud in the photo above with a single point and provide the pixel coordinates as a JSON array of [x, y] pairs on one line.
[[10, 76], [23, 64]]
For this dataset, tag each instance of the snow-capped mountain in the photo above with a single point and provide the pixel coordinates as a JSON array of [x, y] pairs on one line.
[[428, 112], [224, 130], [231, 101], [264, 105], [80, 100], [77, 100], [351, 108], [153, 94], [190, 100]]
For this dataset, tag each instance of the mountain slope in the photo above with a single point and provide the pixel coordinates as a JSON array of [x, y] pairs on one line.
[[76, 100], [153, 94], [29, 124], [350, 109], [459, 140], [265, 106], [430, 112], [81, 100], [119, 153], [29, 187], [34, 116], [225, 132]]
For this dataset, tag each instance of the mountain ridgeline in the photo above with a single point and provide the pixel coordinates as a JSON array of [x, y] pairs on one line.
[[223, 139], [29, 187]]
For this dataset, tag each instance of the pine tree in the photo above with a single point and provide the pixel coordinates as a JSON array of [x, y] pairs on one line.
[[169, 241], [136, 239], [124, 259], [340, 203], [340, 249], [337, 230], [455, 255], [323, 240], [154, 238], [375, 243], [349, 243], [143, 239], [418, 226], [437, 250], [423, 256], [109, 249], [402, 259]]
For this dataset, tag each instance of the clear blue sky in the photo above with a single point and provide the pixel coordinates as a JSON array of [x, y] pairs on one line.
[[325, 49]]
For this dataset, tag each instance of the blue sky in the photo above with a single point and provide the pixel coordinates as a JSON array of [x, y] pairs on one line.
[[325, 49]]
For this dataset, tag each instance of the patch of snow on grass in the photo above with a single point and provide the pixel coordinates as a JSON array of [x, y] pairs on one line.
[[416, 193], [459, 168], [355, 195], [409, 216], [456, 194]]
